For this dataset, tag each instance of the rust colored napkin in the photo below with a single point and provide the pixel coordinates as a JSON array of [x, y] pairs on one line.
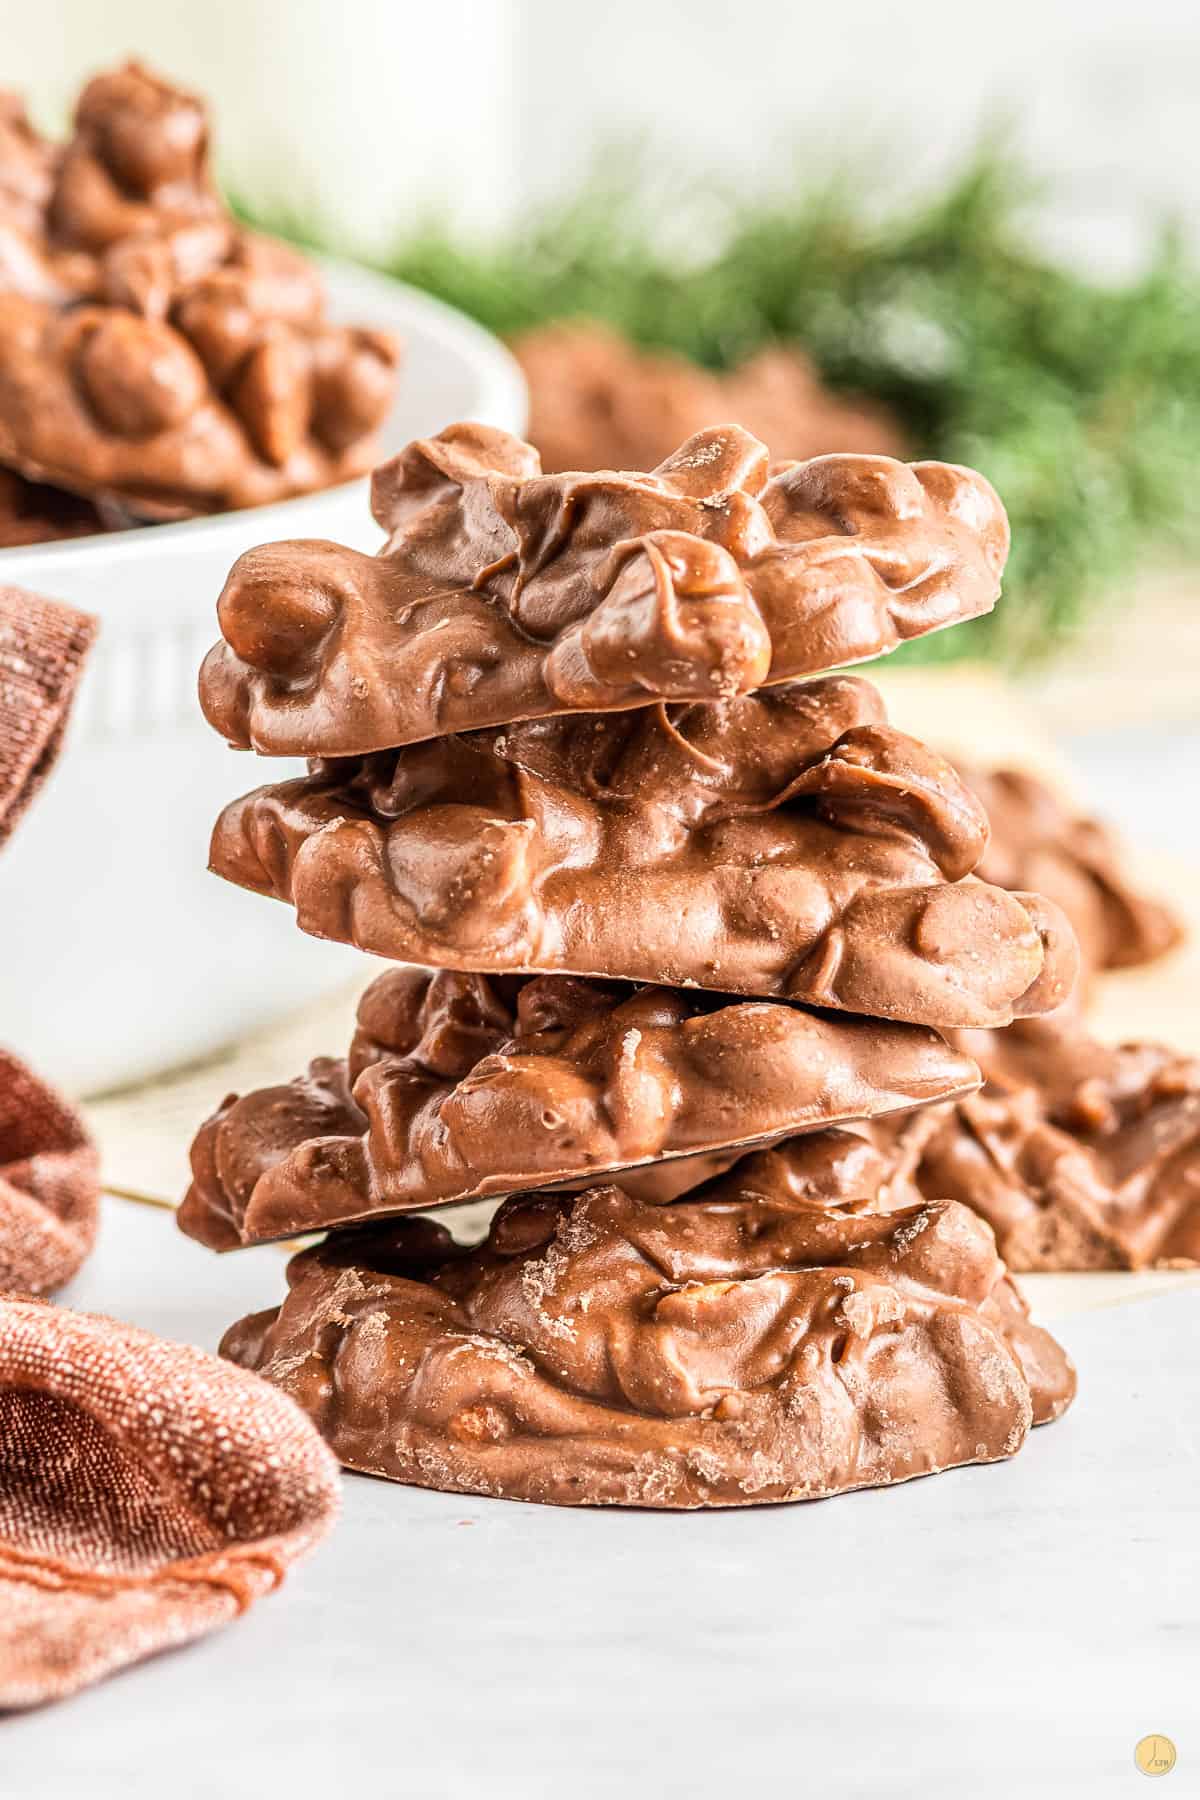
[[49, 1177], [49, 1184], [148, 1492], [43, 645]]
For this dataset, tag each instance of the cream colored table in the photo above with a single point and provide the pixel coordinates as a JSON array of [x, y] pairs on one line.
[[993, 1633]]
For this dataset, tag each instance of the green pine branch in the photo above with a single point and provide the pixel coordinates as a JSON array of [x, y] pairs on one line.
[[1079, 399]]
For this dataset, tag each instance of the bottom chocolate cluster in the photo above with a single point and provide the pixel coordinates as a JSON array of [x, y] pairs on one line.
[[752, 1314], [598, 1349]]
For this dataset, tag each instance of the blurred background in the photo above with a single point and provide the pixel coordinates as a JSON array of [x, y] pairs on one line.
[[985, 233], [928, 230], [377, 110]]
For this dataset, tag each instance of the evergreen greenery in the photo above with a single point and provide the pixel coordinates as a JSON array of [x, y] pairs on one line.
[[1079, 399]]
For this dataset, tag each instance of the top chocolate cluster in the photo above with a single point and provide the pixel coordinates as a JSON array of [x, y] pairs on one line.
[[537, 746], [153, 352], [505, 594]]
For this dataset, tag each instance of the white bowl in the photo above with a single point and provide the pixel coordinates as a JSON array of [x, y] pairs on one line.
[[123, 957]]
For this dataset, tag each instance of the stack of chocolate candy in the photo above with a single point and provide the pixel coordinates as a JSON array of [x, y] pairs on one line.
[[683, 921], [156, 358]]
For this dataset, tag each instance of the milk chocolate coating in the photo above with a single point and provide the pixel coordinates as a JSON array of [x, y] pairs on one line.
[[137, 162], [1080, 1155], [867, 1166], [504, 594], [597, 1350], [28, 165], [132, 180], [783, 844], [596, 401], [458, 1087], [1038, 843], [103, 402], [151, 351]]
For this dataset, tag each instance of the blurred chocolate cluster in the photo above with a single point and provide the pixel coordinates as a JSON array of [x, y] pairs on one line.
[[1079, 1153], [596, 401], [157, 360]]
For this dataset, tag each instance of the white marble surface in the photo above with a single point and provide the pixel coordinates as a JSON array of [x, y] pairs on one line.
[[994, 1632]]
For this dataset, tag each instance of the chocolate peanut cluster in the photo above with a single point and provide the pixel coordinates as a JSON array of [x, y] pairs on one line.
[[788, 843], [457, 1086], [599, 1350], [1080, 1155], [681, 923], [1037, 841], [155, 356], [31, 512], [503, 594], [596, 401]]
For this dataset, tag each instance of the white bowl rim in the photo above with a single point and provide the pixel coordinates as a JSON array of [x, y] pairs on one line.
[[504, 397]]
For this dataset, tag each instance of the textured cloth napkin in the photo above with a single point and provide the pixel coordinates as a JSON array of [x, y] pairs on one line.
[[42, 649], [49, 1184], [49, 1175], [148, 1492]]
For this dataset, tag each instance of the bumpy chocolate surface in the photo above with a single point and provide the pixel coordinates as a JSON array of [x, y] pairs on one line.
[[1080, 1155], [504, 594], [151, 351], [784, 844], [596, 401], [599, 1350], [1038, 843], [867, 1166], [136, 165], [457, 1087]]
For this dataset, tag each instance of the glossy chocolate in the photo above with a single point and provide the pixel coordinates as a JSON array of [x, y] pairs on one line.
[[152, 352], [784, 844], [597, 1350], [1038, 842], [1079, 1155], [504, 594], [458, 1087]]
